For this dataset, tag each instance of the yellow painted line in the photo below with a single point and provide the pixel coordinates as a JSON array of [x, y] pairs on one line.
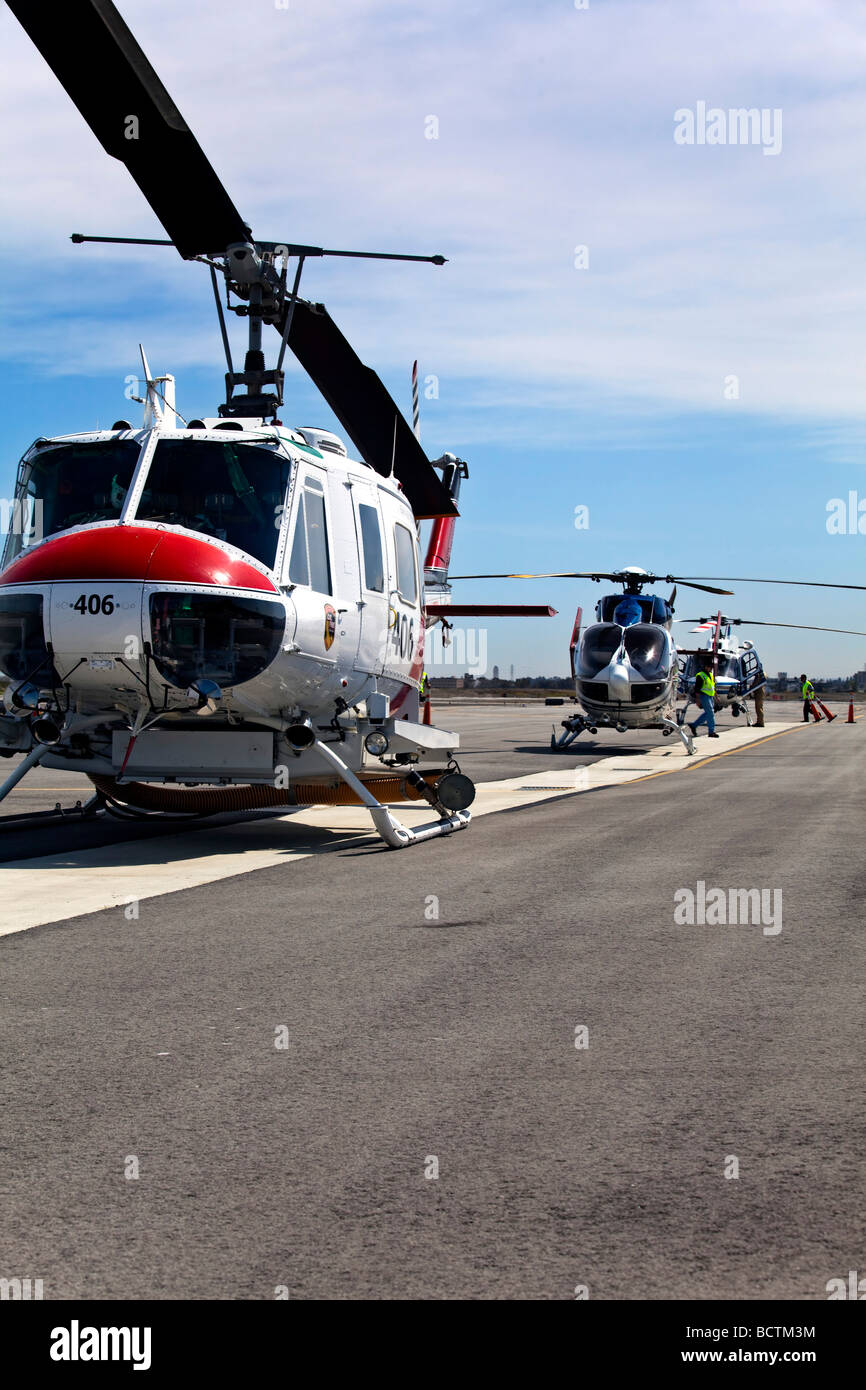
[[714, 757]]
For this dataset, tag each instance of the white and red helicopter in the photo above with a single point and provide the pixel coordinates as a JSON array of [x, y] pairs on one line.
[[225, 613]]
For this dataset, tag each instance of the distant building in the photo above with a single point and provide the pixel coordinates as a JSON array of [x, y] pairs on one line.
[[496, 673], [860, 680], [782, 680], [447, 682]]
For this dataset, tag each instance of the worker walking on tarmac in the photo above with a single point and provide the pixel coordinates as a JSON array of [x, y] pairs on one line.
[[758, 697], [808, 693], [757, 694], [705, 691]]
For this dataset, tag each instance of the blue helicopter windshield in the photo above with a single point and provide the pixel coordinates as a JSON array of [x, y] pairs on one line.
[[648, 608], [628, 611]]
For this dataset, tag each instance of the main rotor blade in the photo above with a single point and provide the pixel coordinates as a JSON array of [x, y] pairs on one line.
[[692, 584], [763, 622], [489, 610], [598, 575], [562, 574], [364, 408], [803, 627], [97, 60], [807, 583]]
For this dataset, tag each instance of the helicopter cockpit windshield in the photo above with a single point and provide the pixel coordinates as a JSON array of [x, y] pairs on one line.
[[598, 648], [235, 492], [647, 648], [66, 485]]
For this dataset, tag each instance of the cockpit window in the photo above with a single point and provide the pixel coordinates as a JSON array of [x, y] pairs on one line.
[[69, 485], [235, 492], [647, 649], [598, 648], [628, 611], [645, 608]]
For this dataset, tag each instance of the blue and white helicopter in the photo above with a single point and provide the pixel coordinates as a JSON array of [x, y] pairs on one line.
[[737, 668], [627, 667]]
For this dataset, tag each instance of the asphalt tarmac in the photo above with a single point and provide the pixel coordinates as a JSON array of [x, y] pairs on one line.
[[498, 1065]]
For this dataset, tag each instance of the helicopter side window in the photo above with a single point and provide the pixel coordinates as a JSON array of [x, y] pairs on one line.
[[371, 544], [309, 563], [407, 582], [228, 490], [72, 484]]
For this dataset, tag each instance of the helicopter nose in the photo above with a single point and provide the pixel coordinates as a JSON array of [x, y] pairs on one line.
[[136, 553], [618, 681]]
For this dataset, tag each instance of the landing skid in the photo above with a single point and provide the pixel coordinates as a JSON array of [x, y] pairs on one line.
[[395, 835], [573, 727], [671, 726], [89, 810], [86, 811], [578, 724]]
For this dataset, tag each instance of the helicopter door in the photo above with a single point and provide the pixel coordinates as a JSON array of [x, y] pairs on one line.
[[373, 579], [687, 667], [751, 669], [310, 573], [404, 636]]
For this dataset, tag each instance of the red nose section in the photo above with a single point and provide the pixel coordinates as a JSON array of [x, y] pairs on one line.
[[137, 553]]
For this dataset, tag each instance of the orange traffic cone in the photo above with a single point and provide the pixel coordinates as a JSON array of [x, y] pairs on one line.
[[816, 714], [825, 710], [427, 719], [850, 719]]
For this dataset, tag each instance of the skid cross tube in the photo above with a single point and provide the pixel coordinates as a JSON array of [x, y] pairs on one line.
[[394, 834]]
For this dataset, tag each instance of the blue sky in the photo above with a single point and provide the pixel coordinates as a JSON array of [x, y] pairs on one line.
[[602, 386]]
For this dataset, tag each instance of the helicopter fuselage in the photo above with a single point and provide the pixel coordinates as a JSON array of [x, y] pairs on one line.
[[625, 666], [240, 573]]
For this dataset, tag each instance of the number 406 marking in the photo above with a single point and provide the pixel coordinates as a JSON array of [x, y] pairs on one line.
[[95, 603]]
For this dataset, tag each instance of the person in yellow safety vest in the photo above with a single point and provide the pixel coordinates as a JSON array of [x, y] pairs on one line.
[[705, 692], [424, 688], [807, 690]]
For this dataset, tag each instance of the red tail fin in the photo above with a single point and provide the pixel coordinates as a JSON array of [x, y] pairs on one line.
[[575, 638]]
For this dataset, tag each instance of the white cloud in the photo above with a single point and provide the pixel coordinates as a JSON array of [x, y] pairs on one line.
[[556, 129]]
